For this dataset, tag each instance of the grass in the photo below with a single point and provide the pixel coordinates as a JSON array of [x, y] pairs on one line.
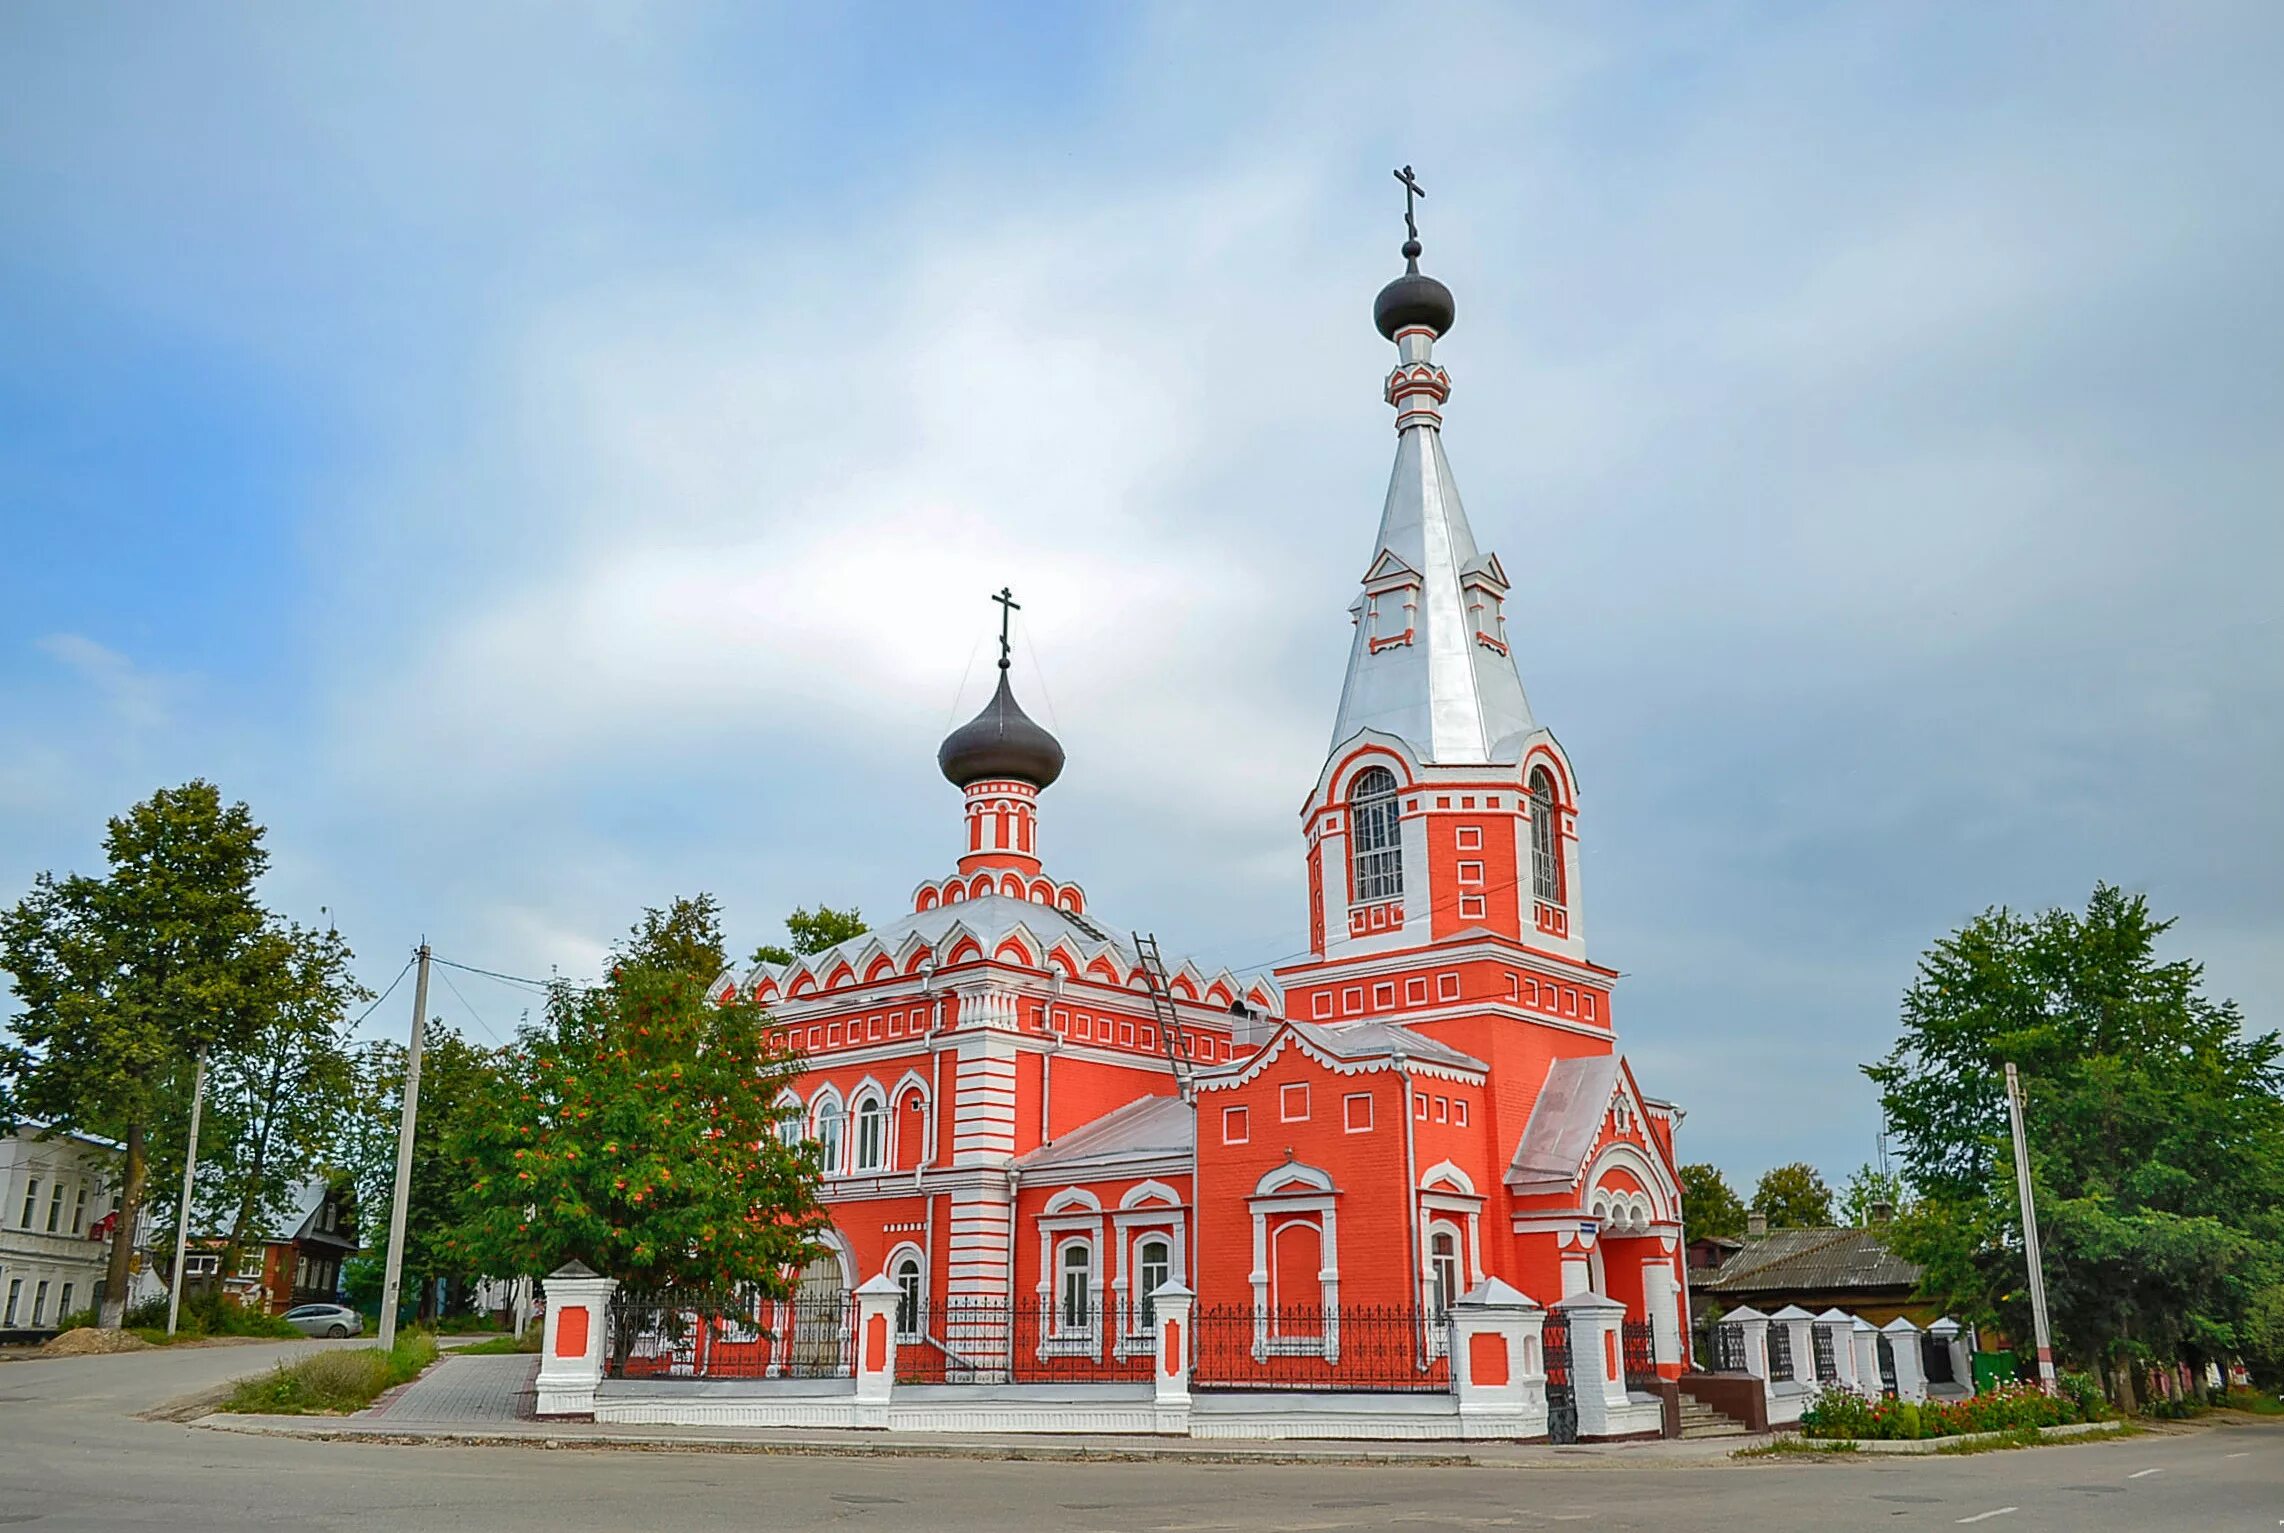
[[2255, 1401], [334, 1382], [1796, 1447], [2029, 1437], [497, 1346]]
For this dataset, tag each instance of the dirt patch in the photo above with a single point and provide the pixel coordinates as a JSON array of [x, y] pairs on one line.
[[88, 1341]]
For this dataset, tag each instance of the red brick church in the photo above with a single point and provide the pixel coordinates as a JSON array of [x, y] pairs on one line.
[[1019, 1104]]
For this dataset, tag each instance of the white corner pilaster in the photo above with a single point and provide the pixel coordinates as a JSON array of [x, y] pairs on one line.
[[574, 1344]]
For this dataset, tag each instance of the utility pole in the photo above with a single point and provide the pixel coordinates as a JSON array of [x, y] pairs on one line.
[[182, 1209], [394, 1272], [2030, 1234]]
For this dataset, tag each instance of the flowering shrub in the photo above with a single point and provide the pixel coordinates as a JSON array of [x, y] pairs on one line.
[[1840, 1413]]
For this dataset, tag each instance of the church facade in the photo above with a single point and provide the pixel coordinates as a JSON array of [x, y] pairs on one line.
[[1019, 1104]]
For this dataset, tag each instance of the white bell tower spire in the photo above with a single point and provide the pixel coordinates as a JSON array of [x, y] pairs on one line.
[[1431, 661]]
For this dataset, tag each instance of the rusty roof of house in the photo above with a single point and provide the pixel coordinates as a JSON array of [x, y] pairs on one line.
[[1811, 1260]]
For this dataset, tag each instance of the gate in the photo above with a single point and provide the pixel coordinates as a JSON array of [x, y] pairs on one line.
[[1561, 1382]]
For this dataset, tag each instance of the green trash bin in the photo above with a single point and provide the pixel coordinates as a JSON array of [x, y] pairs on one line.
[[1993, 1369]]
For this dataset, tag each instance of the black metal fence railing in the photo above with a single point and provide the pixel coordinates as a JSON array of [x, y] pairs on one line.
[[1885, 1351], [690, 1334], [1029, 1339], [1640, 1346], [1935, 1360], [1561, 1381], [1780, 1353], [1827, 1365], [1312, 1348], [1729, 1348]]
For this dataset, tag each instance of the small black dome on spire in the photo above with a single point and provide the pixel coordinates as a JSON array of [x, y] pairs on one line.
[[1413, 300], [1001, 741]]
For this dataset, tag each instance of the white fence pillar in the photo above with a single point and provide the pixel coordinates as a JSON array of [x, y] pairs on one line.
[[1754, 1327], [876, 1301], [1864, 1338], [1597, 1368], [1953, 1336], [575, 1342], [1173, 1304], [1498, 1367], [1910, 1368], [1661, 1297]]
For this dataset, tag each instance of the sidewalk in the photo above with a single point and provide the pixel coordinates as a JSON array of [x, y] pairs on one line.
[[487, 1401]]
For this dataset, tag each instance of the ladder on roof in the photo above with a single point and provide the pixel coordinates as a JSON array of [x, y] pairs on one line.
[[1170, 1031]]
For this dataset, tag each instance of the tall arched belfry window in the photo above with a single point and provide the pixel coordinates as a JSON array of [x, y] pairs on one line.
[[1546, 839], [1375, 850]]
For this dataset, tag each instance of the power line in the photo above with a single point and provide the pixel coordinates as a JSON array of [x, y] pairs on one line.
[[541, 985], [471, 1010], [376, 1006]]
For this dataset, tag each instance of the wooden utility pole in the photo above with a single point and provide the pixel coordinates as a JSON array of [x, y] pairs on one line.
[[182, 1209], [394, 1272], [2044, 1338]]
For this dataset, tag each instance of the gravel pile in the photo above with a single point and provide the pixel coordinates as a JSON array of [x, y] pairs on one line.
[[87, 1340]]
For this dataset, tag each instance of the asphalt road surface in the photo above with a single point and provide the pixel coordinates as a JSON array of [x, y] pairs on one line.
[[73, 1457]]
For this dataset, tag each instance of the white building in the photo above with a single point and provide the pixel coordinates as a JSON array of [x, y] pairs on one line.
[[56, 1194]]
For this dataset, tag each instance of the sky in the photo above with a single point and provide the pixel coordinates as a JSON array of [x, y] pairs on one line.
[[551, 458]]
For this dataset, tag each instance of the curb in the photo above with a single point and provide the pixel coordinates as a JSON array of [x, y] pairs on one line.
[[857, 1446], [1931, 1445]]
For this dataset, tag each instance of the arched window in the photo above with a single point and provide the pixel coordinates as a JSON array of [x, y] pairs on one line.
[[1443, 1270], [789, 1127], [1376, 853], [871, 1135], [829, 1136], [1154, 1259], [1074, 1302], [908, 1299], [1546, 839]]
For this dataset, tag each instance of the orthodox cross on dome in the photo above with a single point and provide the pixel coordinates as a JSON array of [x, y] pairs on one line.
[[1008, 607], [1412, 189]]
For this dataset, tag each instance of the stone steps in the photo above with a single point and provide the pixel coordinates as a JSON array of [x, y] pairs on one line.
[[1699, 1420]]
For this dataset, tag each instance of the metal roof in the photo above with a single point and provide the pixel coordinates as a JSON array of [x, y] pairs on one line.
[[1566, 1119], [1375, 1040], [1812, 1260], [1143, 1130]]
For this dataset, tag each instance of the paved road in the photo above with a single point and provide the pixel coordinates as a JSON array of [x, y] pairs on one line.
[[72, 1458]]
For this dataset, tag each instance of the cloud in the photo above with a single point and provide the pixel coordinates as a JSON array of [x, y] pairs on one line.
[[134, 697]]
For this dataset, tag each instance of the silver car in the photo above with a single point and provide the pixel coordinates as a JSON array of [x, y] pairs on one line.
[[326, 1320]]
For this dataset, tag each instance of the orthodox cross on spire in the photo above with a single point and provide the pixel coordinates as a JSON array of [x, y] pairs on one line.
[[1412, 189], [1008, 607]]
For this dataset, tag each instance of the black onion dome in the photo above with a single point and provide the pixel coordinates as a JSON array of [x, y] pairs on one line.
[[1413, 299], [1001, 741]]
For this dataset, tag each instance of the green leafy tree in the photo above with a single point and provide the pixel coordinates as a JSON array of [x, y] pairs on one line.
[[635, 1128], [2155, 1126], [456, 1082], [1794, 1197], [123, 979], [1709, 1205], [813, 931], [1866, 1190]]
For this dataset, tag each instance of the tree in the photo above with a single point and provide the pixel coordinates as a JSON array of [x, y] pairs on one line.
[[1794, 1197], [2155, 1126], [813, 931], [125, 978], [635, 1128], [1709, 1206], [1867, 1190], [456, 1079]]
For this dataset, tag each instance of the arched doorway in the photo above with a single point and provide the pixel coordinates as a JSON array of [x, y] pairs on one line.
[[821, 1321]]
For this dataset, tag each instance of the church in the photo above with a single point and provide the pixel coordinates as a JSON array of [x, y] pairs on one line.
[[1025, 1112]]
